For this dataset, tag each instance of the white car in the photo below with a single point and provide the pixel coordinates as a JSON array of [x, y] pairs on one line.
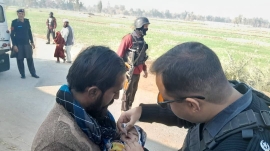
[[4, 40]]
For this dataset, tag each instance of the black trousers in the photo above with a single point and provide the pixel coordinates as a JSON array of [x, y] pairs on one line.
[[130, 93], [50, 31], [30, 63]]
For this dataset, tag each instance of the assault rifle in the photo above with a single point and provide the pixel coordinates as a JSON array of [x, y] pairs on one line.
[[130, 68], [130, 65]]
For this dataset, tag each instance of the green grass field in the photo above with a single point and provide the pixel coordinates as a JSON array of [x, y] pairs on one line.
[[240, 43]]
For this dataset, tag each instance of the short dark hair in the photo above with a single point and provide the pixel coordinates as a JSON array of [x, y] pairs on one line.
[[95, 66], [190, 67]]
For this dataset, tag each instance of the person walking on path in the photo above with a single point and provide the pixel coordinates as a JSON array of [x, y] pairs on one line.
[[59, 50], [68, 35]]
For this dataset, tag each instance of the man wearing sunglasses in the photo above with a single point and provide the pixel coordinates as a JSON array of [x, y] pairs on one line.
[[194, 89]]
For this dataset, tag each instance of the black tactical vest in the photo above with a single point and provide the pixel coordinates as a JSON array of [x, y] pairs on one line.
[[246, 122], [51, 21], [136, 55]]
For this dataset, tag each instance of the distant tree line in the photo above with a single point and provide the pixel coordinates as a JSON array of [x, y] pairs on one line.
[[188, 16], [77, 5]]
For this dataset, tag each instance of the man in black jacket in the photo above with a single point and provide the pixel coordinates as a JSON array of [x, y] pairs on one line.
[[193, 89], [23, 44]]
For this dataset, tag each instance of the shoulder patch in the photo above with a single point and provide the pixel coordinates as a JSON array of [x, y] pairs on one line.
[[264, 145]]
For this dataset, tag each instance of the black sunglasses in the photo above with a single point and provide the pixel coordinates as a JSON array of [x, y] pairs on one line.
[[164, 103]]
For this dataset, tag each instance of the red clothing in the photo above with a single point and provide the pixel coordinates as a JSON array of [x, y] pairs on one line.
[[60, 42], [126, 43]]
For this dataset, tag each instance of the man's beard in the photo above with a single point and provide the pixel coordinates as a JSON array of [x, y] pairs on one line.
[[96, 110]]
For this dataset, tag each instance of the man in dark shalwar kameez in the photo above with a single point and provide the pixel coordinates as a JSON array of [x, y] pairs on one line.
[[23, 44]]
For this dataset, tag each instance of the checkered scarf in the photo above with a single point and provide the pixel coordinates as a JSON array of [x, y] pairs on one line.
[[98, 131]]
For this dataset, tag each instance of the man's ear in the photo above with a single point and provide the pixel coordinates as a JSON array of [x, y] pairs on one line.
[[93, 92], [193, 104]]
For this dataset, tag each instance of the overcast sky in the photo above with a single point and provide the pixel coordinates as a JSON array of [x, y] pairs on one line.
[[225, 8]]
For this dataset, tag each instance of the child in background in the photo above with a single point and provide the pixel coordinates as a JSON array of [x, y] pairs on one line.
[[136, 134], [59, 50]]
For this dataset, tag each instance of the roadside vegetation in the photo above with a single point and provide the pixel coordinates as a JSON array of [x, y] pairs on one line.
[[243, 50]]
